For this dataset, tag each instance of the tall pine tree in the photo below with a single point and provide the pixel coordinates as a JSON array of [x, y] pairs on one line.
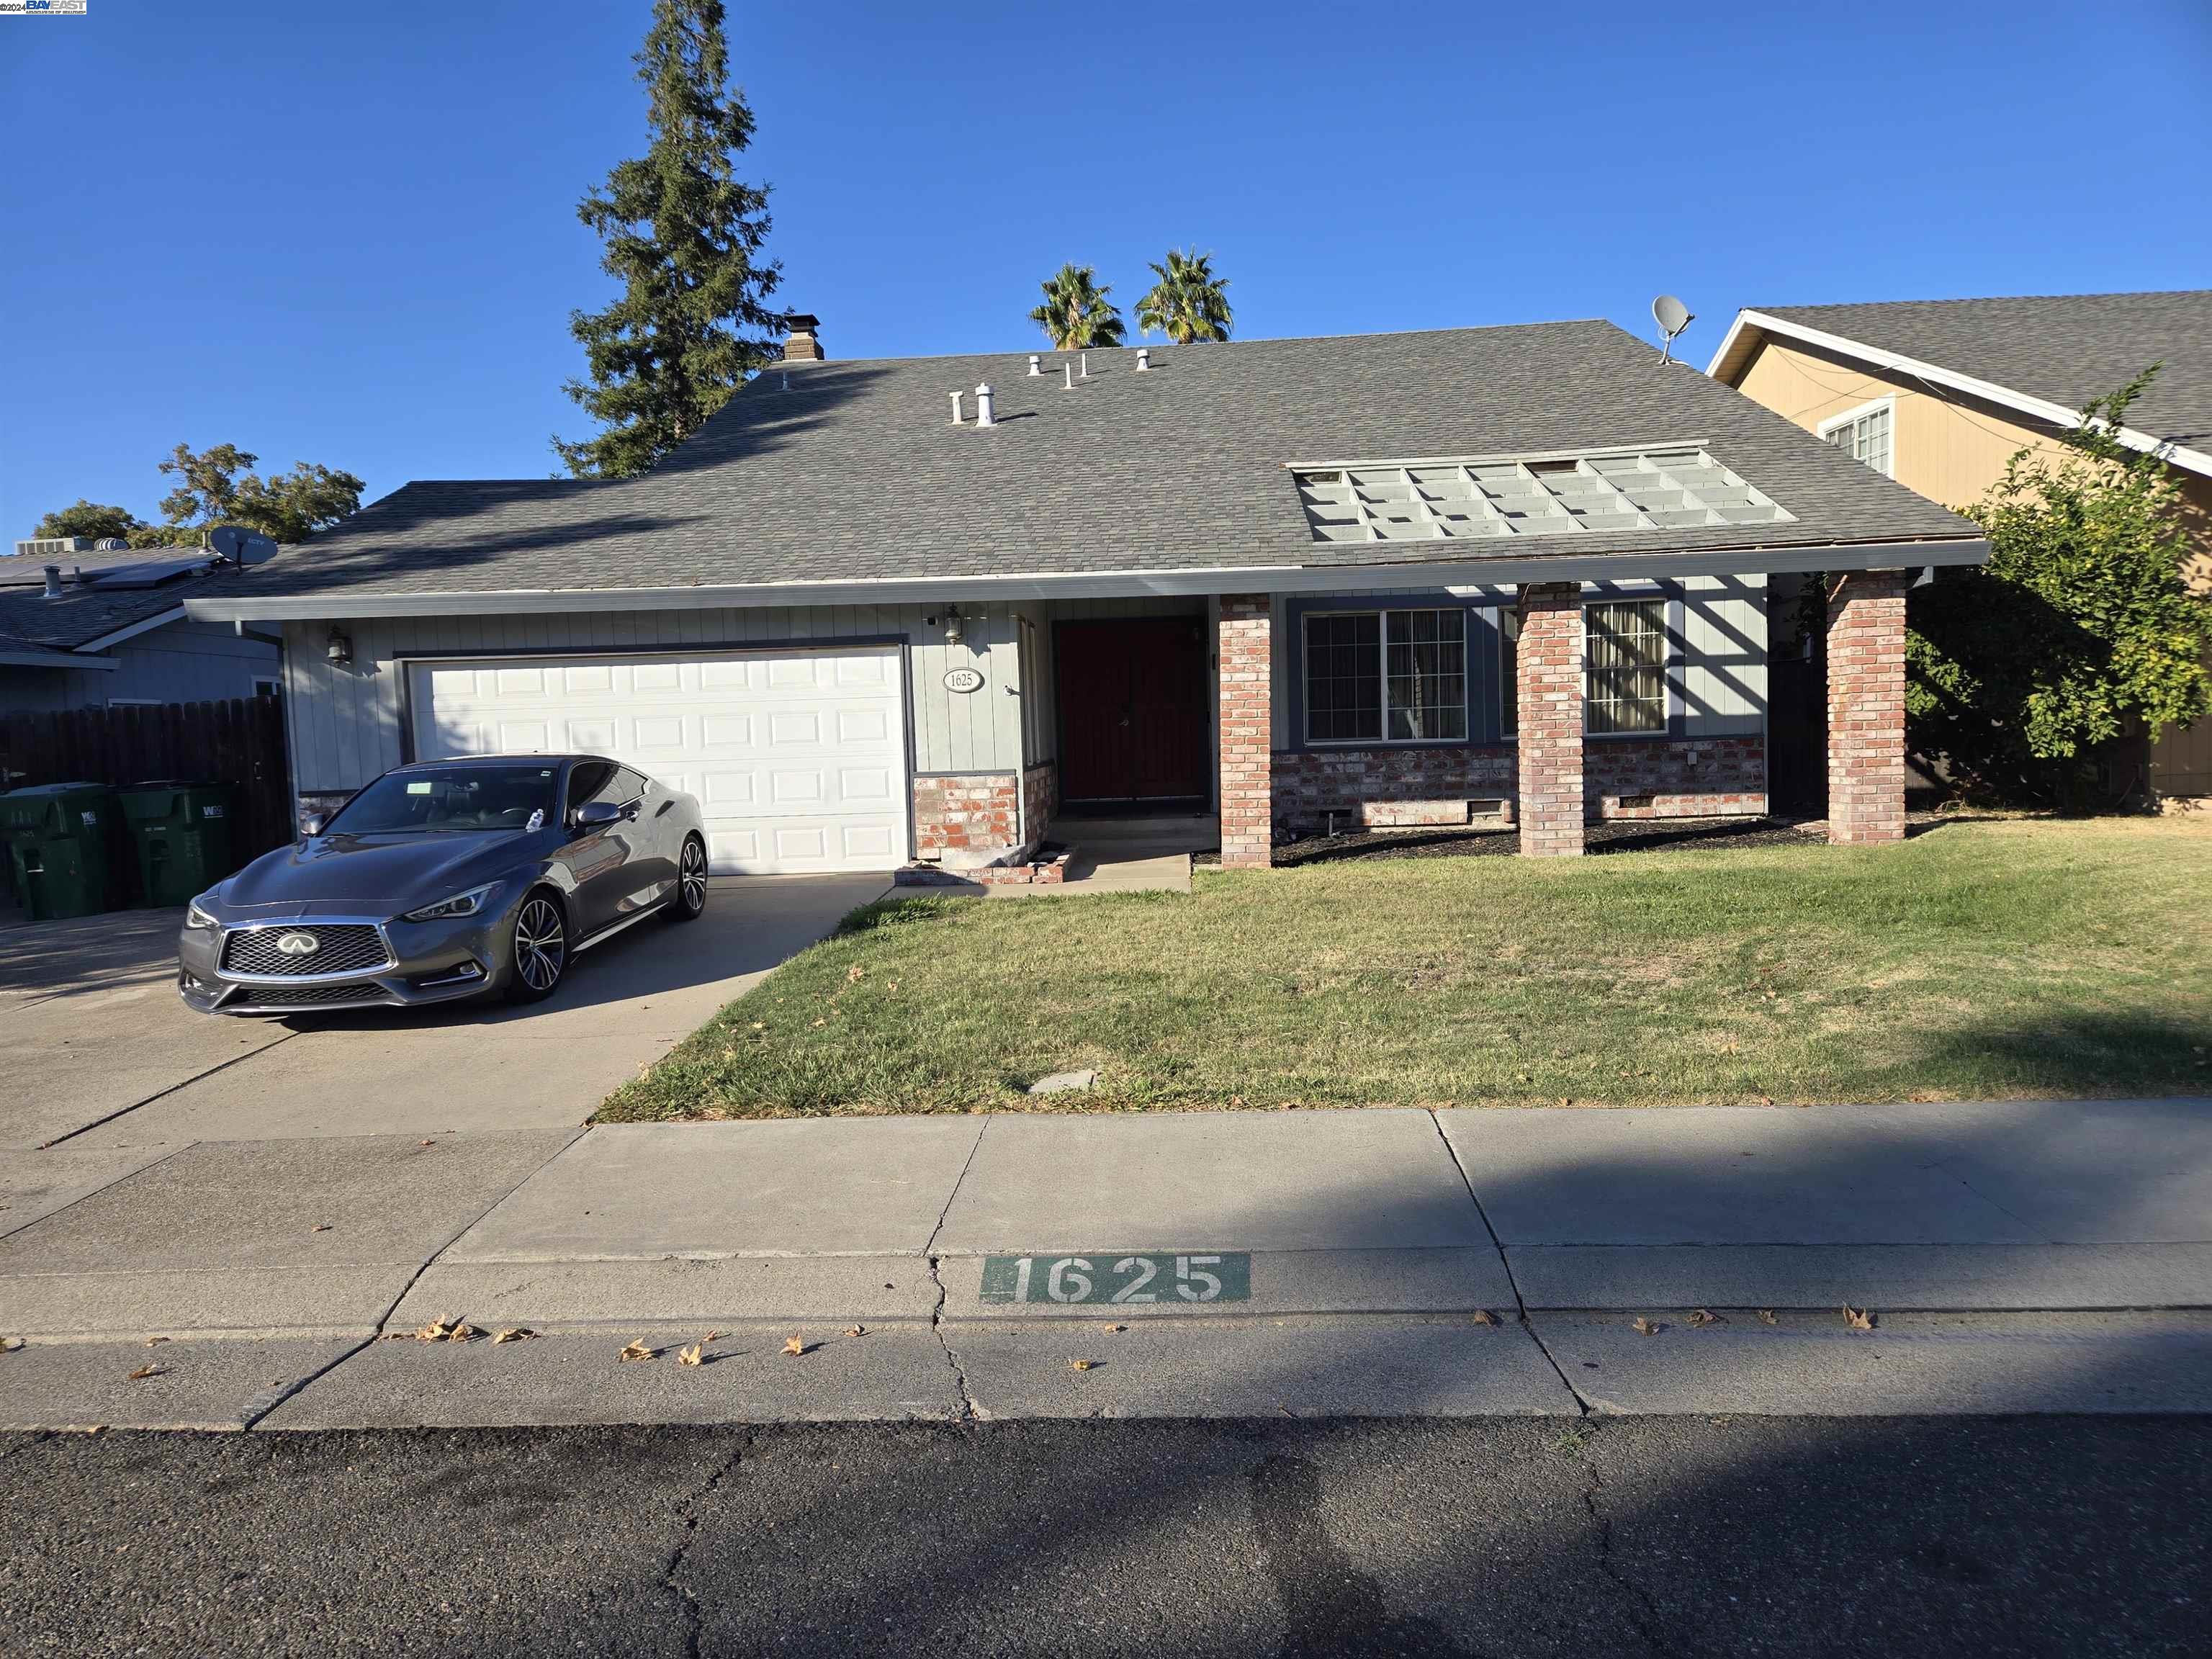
[[683, 235]]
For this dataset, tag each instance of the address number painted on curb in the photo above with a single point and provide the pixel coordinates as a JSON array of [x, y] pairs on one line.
[[1124, 1279]]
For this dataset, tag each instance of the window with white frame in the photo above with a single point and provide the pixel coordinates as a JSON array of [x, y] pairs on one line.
[[1624, 666], [1386, 676], [1864, 435]]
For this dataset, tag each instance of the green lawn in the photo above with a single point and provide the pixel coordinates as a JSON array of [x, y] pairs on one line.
[[1981, 958]]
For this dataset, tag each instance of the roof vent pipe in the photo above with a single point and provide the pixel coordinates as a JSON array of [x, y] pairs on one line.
[[956, 408], [1034, 367], [1086, 364], [53, 581], [1144, 358], [1068, 369], [983, 405]]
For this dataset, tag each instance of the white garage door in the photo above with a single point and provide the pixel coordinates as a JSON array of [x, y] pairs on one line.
[[798, 759]]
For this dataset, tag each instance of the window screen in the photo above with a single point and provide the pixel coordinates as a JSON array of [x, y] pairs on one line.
[[1626, 667]]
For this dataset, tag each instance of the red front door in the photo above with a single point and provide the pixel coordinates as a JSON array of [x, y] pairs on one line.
[[1132, 708]]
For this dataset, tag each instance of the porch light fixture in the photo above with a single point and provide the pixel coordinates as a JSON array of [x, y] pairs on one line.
[[340, 648], [953, 634]]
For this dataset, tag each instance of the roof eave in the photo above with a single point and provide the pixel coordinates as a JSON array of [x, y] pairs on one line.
[[1750, 328], [34, 656], [333, 605]]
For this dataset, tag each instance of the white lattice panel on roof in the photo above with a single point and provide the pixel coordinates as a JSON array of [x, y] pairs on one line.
[[1488, 496]]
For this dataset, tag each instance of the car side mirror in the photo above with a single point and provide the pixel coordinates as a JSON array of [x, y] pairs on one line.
[[597, 815], [311, 826]]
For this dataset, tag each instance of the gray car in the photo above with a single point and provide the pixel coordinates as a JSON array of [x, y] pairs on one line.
[[443, 880]]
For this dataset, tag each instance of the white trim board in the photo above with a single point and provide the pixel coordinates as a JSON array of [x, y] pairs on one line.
[[1896, 362], [1563, 566]]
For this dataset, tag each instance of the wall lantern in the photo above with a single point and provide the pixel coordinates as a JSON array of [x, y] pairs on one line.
[[952, 627], [340, 649]]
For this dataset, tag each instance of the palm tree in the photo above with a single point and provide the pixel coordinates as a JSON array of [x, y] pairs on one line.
[[1076, 314], [1186, 303]]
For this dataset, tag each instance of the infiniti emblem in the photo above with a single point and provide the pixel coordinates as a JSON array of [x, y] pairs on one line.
[[297, 944]]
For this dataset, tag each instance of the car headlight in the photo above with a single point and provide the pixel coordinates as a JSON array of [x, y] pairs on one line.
[[194, 916], [461, 904]]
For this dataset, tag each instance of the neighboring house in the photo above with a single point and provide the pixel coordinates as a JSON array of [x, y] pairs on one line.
[[1280, 582], [1939, 394], [80, 628]]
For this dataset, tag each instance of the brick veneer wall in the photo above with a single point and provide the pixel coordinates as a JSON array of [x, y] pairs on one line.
[[1866, 709], [1040, 796], [1550, 692], [1683, 777], [1692, 777], [1247, 802], [964, 822]]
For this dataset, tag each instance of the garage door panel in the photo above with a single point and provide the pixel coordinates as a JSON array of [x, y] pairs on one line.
[[798, 759]]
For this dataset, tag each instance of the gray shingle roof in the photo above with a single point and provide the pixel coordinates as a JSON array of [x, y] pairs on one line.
[[854, 470], [2065, 348], [82, 614]]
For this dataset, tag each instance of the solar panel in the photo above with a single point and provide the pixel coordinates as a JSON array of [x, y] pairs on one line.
[[152, 573], [1489, 496]]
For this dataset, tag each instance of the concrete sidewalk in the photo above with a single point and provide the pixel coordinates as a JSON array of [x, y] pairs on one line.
[[2032, 1255]]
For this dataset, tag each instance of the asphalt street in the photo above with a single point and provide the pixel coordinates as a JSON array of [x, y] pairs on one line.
[[1650, 1536]]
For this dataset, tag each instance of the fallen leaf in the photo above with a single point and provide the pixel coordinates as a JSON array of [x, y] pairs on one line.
[[1647, 1326], [426, 1143], [437, 1330], [1703, 1316], [712, 1336], [1859, 1319], [856, 1330], [1484, 1316], [514, 1333], [637, 1349], [794, 1345], [1117, 1327], [9, 1344], [463, 1332], [1081, 1364], [853, 974], [694, 1355], [155, 1341], [822, 1021], [145, 1371], [1766, 1316], [320, 1227], [891, 985]]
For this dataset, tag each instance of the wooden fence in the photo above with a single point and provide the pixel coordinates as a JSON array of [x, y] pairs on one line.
[[240, 743]]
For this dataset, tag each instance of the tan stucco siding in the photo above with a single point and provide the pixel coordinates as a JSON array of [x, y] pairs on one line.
[[1940, 448]]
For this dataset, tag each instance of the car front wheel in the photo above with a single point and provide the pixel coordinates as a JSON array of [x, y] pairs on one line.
[[690, 882], [541, 948]]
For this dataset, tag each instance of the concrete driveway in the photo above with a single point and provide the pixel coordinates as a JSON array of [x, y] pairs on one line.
[[95, 1047]]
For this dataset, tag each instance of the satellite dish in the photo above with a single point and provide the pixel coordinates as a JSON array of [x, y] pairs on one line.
[[1672, 316], [227, 539]]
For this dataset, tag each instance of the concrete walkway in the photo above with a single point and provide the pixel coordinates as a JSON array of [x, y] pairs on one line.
[[2036, 1255]]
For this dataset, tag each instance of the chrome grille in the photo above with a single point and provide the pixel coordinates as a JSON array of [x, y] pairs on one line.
[[341, 948], [307, 996]]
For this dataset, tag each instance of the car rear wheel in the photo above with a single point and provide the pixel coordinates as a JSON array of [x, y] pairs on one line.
[[690, 882], [541, 948]]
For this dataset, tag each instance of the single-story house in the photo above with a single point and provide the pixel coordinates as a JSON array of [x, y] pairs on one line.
[[919, 608], [1940, 394], [83, 628]]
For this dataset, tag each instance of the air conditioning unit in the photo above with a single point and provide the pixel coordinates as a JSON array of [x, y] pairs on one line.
[[47, 546]]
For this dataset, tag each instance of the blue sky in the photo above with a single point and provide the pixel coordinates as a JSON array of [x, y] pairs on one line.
[[345, 233]]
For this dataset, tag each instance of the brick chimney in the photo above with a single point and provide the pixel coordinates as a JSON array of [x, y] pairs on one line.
[[802, 347]]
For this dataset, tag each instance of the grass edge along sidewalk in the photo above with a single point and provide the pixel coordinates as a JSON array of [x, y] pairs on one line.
[[1978, 960]]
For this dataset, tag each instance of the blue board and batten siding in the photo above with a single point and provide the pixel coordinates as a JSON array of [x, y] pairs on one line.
[[347, 722], [179, 662]]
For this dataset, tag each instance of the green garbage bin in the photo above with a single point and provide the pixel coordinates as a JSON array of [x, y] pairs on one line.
[[180, 834], [61, 845]]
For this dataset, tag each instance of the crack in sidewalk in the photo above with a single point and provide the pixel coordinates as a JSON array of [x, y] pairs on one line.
[[967, 1413], [1520, 1306]]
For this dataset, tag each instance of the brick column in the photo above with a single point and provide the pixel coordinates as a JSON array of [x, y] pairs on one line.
[[1247, 791], [1550, 693], [1866, 709]]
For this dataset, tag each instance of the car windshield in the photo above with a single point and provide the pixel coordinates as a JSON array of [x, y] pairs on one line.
[[448, 798]]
